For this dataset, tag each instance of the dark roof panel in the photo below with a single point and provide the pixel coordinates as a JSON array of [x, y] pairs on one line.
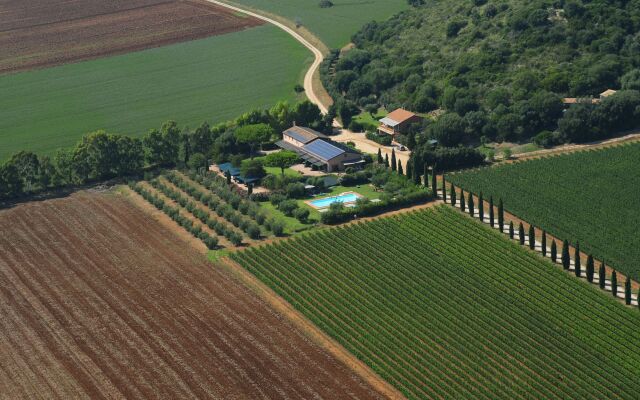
[[303, 135], [323, 150]]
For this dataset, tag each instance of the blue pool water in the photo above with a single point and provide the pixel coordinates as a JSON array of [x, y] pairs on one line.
[[342, 198]]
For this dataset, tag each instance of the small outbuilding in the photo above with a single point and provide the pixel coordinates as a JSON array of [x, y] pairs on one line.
[[397, 122]]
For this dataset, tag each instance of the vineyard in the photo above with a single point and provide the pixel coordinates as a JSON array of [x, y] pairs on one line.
[[589, 196], [443, 307]]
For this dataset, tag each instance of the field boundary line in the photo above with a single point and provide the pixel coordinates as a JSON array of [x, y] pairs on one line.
[[301, 322], [318, 55], [510, 217], [573, 148], [163, 219]]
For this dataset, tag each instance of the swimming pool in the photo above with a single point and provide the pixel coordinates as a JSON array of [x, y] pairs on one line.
[[344, 198]]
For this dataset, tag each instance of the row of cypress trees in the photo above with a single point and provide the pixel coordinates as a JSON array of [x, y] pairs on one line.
[[565, 259]]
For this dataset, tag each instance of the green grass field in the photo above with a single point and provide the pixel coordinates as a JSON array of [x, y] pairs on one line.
[[443, 307], [587, 196], [213, 79], [335, 25]]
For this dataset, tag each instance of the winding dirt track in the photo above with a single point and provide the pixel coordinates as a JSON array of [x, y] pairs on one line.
[[308, 78], [98, 300]]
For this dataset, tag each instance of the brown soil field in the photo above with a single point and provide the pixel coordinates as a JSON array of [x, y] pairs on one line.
[[99, 300], [42, 33]]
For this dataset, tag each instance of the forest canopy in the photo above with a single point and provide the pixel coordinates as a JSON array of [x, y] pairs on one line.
[[502, 66]]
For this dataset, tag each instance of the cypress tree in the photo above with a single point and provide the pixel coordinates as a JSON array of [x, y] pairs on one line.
[[590, 269], [566, 262], [416, 175], [481, 207], [463, 206], [410, 170], [501, 215], [386, 160], [614, 284], [521, 233], [394, 164], [454, 201], [380, 159], [512, 234], [543, 243], [426, 175], [491, 218], [434, 185], [627, 291], [471, 205], [532, 237], [227, 175], [554, 251], [602, 275], [400, 171], [576, 256], [434, 182], [444, 188]]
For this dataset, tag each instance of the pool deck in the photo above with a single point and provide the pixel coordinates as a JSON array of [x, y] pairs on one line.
[[346, 203]]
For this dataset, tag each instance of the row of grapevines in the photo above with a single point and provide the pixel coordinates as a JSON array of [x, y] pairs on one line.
[[441, 306]]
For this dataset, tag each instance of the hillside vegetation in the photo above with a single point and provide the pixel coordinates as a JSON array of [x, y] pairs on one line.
[[443, 307], [588, 196], [501, 67]]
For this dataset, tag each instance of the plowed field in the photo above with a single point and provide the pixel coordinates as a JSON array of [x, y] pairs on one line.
[[98, 300], [41, 33]]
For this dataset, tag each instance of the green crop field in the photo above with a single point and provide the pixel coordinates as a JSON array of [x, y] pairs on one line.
[[587, 196], [335, 25], [443, 307], [213, 79]]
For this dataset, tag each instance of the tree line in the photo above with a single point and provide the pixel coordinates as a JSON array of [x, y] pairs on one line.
[[468, 205], [100, 156]]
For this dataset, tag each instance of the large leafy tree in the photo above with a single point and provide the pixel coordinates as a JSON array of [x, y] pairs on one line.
[[254, 135], [281, 159]]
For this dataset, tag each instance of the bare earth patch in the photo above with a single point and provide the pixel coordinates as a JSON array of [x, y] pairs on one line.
[[42, 33], [99, 300]]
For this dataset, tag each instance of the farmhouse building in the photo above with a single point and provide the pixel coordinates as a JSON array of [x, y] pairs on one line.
[[299, 136], [607, 93], [397, 122], [317, 151]]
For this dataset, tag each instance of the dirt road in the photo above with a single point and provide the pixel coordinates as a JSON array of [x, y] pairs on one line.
[[308, 78]]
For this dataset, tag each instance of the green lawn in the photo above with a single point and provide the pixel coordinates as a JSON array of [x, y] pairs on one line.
[[277, 171], [365, 190], [292, 225], [213, 79], [441, 306], [587, 196], [335, 25], [368, 121]]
